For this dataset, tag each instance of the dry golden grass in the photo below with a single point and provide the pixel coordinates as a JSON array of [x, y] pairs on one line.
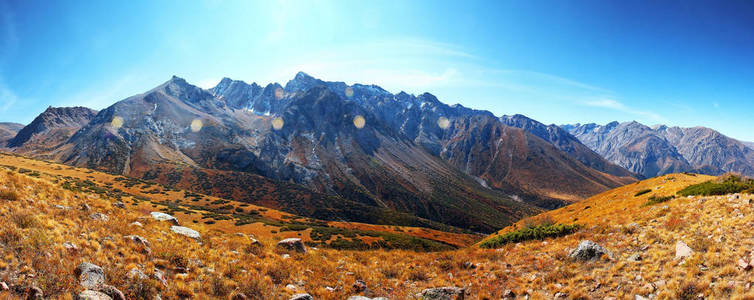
[[156, 193], [33, 232]]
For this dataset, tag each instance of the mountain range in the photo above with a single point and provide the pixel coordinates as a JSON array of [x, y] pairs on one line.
[[658, 150], [330, 150]]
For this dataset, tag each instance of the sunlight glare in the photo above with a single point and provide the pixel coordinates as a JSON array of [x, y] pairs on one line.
[[443, 122], [277, 123], [359, 121], [196, 125], [117, 122]]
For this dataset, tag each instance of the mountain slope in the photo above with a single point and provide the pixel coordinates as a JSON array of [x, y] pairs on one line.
[[52, 127], [660, 150], [8, 131], [566, 143], [317, 147], [419, 118]]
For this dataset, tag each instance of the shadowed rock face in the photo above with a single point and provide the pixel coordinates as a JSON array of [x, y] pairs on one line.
[[58, 122], [473, 172], [661, 149]]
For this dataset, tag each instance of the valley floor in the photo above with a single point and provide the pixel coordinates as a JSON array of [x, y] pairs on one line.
[[47, 231]]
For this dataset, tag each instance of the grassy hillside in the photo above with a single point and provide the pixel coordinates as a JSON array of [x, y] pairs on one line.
[[45, 234], [231, 216]]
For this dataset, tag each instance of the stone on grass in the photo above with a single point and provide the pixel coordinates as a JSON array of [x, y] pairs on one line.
[[113, 292], [443, 293], [92, 295], [163, 217], [292, 244], [90, 276], [682, 250], [588, 250], [99, 217], [185, 231], [302, 297]]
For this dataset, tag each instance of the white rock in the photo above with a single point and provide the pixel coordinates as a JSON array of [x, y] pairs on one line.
[[162, 217], [682, 250], [185, 231]]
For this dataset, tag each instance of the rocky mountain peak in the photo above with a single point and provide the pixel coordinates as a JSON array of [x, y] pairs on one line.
[[53, 118]]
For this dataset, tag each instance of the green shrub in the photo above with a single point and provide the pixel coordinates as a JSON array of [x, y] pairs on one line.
[[726, 185], [531, 233], [654, 199], [642, 192]]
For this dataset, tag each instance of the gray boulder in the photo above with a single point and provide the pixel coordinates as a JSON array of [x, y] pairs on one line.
[[112, 292], [90, 276], [92, 295], [302, 297], [588, 250], [292, 244], [443, 293]]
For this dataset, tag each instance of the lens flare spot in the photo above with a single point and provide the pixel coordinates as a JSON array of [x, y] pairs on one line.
[[277, 123], [278, 93], [443, 122], [117, 122], [349, 92], [359, 121], [196, 125]]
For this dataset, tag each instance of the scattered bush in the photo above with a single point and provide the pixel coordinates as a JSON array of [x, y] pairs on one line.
[[654, 199], [729, 184], [642, 192], [531, 233]]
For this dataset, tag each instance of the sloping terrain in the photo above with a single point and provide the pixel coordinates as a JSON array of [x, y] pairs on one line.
[[53, 221], [662, 149], [218, 213]]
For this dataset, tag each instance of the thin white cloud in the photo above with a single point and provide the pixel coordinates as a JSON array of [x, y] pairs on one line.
[[619, 106]]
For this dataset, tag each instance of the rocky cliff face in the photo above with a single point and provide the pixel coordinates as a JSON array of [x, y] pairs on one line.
[[54, 126], [661, 150]]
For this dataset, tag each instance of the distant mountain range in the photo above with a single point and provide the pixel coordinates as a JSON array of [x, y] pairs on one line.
[[331, 151], [653, 151]]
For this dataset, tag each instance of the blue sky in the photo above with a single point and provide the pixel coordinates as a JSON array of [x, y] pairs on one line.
[[684, 63]]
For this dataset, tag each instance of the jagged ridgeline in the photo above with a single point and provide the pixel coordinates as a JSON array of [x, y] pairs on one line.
[[334, 151]]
